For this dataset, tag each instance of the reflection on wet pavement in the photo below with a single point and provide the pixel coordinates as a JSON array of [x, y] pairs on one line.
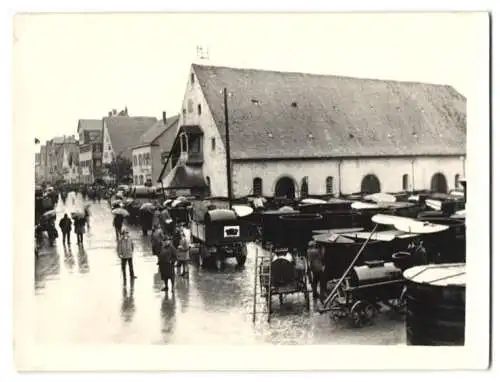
[[80, 298]]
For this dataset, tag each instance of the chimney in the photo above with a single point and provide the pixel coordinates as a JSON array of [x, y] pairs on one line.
[[110, 114], [164, 117]]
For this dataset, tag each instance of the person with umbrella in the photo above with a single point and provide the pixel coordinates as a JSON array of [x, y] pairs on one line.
[[65, 226]]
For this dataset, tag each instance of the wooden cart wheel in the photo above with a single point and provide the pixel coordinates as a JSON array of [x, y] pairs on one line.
[[356, 314], [369, 313]]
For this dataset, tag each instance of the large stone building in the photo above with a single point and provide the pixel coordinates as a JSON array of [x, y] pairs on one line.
[[297, 133], [153, 146]]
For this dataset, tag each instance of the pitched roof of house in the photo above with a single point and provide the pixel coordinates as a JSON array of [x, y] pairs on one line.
[[154, 132], [280, 114], [89, 124], [124, 132]]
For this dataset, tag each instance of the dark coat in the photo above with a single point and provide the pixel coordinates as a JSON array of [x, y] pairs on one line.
[[65, 224]]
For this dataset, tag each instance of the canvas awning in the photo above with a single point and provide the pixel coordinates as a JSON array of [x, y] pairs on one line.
[[185, 177]]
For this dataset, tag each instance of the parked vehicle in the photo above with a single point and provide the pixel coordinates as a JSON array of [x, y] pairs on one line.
[[220, 235]]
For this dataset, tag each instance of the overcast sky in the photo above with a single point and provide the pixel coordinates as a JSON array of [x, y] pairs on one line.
[[69, 67]]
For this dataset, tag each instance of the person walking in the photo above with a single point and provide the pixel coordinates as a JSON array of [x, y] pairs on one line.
[[87, 215], [166, 262], [317, 266], [80, 229], [183, 254], [65, 226], [126, 252], [118, 224], [157, 238]]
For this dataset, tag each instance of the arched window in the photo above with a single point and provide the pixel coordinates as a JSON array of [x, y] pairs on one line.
[[304, 188], [439, 183], [457, 181], [135, 160], [405, 182], [141, 179], [140, 159], [370, 184], [329, 185], [136, 181], [257, 186]]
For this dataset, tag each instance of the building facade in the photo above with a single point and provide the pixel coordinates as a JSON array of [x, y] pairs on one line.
[[52, 158], [120, 134], [154, 146], [299, 134], [90, 150]]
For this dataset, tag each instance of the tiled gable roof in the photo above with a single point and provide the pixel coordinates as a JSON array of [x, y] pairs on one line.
[[89, 124], [125, 132], [279, 114], [155, 131]]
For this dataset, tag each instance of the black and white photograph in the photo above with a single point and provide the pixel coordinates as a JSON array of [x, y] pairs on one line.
[[251, 181]]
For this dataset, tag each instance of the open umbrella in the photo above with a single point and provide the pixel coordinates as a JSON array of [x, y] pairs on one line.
[[77, 214], [116, 204], [242, 210], [312, 201], [381, 197], [286, 209], [49, 214], [167, 202], [364, 206], [148, 206], [120, 211]]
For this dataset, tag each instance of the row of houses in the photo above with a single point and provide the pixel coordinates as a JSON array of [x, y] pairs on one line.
[[290, 134]]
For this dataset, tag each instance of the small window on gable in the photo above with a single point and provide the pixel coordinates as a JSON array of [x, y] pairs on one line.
[[405, 182], [192, 78], [190, 106], [213, 144], [199, 109]]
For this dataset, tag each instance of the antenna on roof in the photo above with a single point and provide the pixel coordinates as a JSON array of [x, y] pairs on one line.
[[202, 52]]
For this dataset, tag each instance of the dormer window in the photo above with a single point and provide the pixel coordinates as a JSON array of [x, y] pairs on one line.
[[192, 78]]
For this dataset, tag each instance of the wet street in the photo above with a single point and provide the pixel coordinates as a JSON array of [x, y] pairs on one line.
[[80, 299]]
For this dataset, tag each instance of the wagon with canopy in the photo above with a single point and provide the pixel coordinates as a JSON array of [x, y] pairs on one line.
[[366, 285]]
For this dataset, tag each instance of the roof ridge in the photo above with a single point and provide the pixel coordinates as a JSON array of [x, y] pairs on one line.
[[344, 77]]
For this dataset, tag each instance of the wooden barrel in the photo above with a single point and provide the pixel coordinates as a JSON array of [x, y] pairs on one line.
[[435, 299]]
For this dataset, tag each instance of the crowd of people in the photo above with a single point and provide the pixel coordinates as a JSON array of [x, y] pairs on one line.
[[172, 251]]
